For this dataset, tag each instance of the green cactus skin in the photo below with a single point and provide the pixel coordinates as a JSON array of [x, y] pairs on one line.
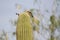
[[24, 30]]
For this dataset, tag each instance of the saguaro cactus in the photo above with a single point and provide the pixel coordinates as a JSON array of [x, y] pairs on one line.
[[24, 30]]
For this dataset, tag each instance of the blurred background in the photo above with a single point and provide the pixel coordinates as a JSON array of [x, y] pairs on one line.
[[47, 12]]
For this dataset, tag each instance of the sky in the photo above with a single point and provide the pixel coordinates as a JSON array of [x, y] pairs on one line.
[[8, 11]]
